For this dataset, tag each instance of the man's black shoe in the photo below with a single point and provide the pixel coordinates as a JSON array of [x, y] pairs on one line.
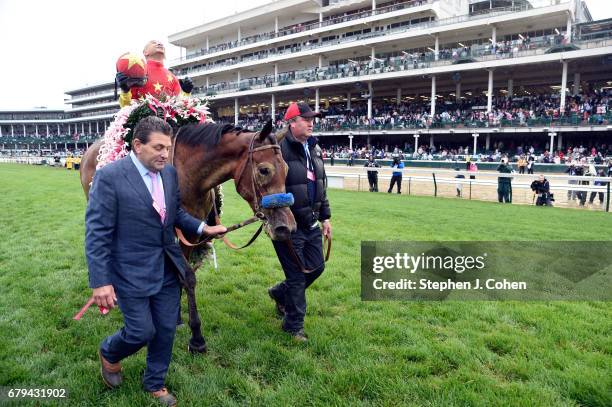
[[280, 308], [299, 336]]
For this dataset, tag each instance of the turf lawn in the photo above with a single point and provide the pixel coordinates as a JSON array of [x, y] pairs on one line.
[[374, 353]]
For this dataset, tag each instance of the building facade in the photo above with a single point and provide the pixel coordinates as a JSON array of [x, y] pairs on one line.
[[339, 55]]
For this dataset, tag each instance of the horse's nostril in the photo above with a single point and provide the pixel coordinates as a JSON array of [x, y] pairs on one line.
[[281, 233]]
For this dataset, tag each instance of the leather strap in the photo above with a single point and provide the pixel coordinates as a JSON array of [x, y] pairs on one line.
[[297, 260]]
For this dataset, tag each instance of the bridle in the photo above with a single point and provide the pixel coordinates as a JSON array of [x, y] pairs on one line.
[[255, 186], [255, 201], [257, 195]]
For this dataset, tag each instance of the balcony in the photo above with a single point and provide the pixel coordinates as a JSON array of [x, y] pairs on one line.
[[481, 53], [301, 29], [366, 39]]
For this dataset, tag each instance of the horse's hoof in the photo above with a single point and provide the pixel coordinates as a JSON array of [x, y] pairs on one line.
[[201, 348]]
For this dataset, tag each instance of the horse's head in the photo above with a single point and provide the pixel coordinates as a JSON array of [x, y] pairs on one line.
[[262, 173]]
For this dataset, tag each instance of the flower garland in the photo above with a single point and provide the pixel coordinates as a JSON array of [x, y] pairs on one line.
[[114, 146], [174, 110]]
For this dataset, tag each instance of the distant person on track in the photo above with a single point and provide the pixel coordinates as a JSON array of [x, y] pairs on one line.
[[396, 177], [372, 167]]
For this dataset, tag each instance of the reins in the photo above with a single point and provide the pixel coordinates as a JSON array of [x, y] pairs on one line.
[[259, 215]]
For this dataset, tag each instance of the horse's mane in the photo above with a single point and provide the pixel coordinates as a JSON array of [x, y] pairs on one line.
[[207, 134]]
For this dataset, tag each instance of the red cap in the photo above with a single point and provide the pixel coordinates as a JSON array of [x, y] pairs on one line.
[[300, 109]]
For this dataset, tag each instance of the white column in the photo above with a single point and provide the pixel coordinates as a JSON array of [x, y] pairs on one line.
[[475, 135], [351, 142], [238, 78], [276, 24], [36, 129], [568, 28], [236, 111], [433, 96], [273, 108], [207, 44], [89, 127], [47, 130], [431, 140], [1, 135], [370, 91], [320, 19], [510, 88], [239, 34], [576, 89], [399, 96], [58, 129], [97, 127], [207, 82], [24, 130], [560, 142], [488, 141], [552, 141], [437, 48], [458, 91], [348, 101], [82, 127], [373, 4], [317, 100], [563, 86], [490, 91], [494, 36], [12, 131], [320, 61], [373, 54], [275, 72], [416, 142]]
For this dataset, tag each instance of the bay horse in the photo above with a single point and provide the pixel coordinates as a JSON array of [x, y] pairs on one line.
[[206, 155]]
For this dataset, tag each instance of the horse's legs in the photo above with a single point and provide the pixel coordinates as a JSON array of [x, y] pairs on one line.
[[197, 343]]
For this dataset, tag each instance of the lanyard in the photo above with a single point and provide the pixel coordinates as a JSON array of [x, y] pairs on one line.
[[308, 159]]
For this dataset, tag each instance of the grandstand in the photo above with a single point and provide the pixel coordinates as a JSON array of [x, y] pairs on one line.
[[87, 113], [417, 75], [408, 73]]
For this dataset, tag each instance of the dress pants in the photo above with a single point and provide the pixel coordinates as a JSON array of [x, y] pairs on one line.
[[292, 292], [148, 321]]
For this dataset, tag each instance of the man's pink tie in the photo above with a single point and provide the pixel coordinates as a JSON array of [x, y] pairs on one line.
[[159, 203]]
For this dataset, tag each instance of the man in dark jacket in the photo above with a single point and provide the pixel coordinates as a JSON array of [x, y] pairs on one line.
[[504, 184], [307, 182], [541, 188], [372, 167]]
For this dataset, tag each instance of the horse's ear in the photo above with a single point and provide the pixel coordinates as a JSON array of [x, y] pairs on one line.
[[265, 132], [280, 135]]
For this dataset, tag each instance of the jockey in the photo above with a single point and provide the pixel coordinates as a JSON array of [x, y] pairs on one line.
[[160, 81]]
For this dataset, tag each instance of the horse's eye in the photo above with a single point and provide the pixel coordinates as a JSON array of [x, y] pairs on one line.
[[264, 171]]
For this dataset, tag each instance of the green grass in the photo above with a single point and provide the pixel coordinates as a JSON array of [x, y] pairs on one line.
[[374, 353]]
